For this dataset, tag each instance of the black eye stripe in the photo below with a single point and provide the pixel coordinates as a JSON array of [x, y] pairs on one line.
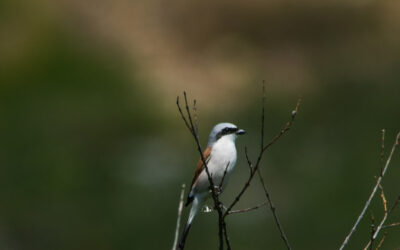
[[226, 131]]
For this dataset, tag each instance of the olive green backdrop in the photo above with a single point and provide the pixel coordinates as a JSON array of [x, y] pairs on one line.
[[93, 151]]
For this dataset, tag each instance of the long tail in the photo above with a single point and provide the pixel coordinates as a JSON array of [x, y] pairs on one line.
[[193, 211]]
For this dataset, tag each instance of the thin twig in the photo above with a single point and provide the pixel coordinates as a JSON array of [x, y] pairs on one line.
[[268, 196], [372, 232], [189, 116], [248, 160], [381, 242], [392, 225], [386, 214], [178, 220], [384, 201], [196, 119], [254, 169], [193, 128], [214, 195], [223, 177], [247, 209], [273, 210], [367, 203], [286, 128], [228, 243], [182, 115], [395, 204]]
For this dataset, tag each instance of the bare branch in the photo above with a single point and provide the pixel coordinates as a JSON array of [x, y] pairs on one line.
[[196, 119], [183, 117], [193, 128], [395, 204], [228, 243], [223, 177], [386, 214], [392, 225], [262, 149], [248, 160], [273, 210], [254, 169], [286, 128], [372, 232], [214, 195], [247, 209], [381, 242], [367, 203], [384, 201], [178, 220]]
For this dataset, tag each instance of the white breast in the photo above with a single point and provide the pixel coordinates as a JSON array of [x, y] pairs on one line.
[[223, 153]]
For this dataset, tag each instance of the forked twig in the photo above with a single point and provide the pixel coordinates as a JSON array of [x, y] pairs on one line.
[[254, 169], [194, 131], [385, 215], [368, 202], [267, 194], [375, 231], [193, 128]]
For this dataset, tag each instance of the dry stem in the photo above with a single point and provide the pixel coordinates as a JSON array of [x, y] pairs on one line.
[[247, 209], [368, 202], [194, 131], [178, 220]]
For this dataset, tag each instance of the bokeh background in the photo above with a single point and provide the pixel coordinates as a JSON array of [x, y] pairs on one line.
[[93, 151]]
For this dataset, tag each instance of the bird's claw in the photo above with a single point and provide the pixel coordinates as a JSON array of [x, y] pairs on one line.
[[206, 209]]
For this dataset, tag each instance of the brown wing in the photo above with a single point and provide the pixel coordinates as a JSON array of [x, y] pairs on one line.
[[198, 170]]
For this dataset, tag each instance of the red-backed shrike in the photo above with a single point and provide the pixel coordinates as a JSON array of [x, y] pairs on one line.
[[220, 156]]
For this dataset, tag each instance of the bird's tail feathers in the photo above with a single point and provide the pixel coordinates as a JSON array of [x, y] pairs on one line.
[[184, 235], [193, 211]]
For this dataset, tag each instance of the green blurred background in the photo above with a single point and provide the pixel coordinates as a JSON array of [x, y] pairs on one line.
[[93, 151]]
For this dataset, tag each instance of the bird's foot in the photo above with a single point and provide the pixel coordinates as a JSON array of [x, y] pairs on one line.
[[206, 209]]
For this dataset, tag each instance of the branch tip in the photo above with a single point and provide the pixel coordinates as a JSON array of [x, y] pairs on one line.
[[371, 196]]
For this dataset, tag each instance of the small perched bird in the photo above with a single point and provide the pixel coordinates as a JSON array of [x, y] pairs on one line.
[[220, 156]]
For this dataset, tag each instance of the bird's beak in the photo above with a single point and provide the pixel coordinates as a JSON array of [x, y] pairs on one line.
[[240, 132]]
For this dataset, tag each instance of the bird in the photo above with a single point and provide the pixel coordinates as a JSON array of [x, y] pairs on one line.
[[220, 157]]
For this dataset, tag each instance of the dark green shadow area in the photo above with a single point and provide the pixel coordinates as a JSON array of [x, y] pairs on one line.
[[65, 110]]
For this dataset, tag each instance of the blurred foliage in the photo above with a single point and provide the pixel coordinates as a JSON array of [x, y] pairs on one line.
[[93, 152]]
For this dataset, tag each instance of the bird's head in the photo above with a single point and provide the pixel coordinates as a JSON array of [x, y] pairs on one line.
[[226, 130]]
